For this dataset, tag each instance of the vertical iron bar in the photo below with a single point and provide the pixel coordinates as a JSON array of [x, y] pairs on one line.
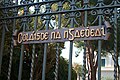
[[32, 64], [57, 60], [21, 57], [70, 61], [84, 62], [85, 42], [3, 36], [115, 41], [33, 50], [22, 46], [99, 41], [71, 43], [10, 61], [57, 45], [12, 45], [21, 62], [22, 54], [46, 44], [99, 60], [44, 61], [2, 47], [84, 55]]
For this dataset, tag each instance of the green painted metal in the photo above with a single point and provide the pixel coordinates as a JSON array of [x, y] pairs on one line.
[[46, 44], [99, 41], [2, 47], [115, 42], [85, 41]]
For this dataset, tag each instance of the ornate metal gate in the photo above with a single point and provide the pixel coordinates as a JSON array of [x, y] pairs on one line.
[[51, 18]]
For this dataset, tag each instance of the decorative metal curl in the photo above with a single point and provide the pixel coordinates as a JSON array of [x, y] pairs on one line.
[[36, 9], [86, 5], [93, 12], [6, 28], [67, 15], [118, 1], [118, 12], [77, 14], [100, 3], [26, 1], [64, 3], [107, 11], [42, 18], [72, 4], [53, 17], [11, 2], [114, 2], [42, 9]]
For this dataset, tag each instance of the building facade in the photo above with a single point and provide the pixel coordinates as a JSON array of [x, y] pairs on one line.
[[107, 67]]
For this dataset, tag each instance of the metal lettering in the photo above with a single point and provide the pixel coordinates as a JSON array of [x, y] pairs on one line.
[[38, 36], [46, 36], [20, 38], [71, 34], [82, 33], [24, 37], [98, 33], [35, 36], [92, 32], [42, 36], [58, 35], [77, 34], [66, 34], [87, 32], [31, 37], [52, 35], [103, 31]]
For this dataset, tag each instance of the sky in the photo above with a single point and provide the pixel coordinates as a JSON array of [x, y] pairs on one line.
[[65, 54]]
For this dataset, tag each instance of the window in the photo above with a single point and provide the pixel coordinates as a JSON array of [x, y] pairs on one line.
[[119, 60], [103, 62]]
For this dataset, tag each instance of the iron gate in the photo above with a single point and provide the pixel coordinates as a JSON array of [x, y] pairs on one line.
[[14, 10]]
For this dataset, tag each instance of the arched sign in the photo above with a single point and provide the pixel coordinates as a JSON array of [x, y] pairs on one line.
[[62, 35]]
